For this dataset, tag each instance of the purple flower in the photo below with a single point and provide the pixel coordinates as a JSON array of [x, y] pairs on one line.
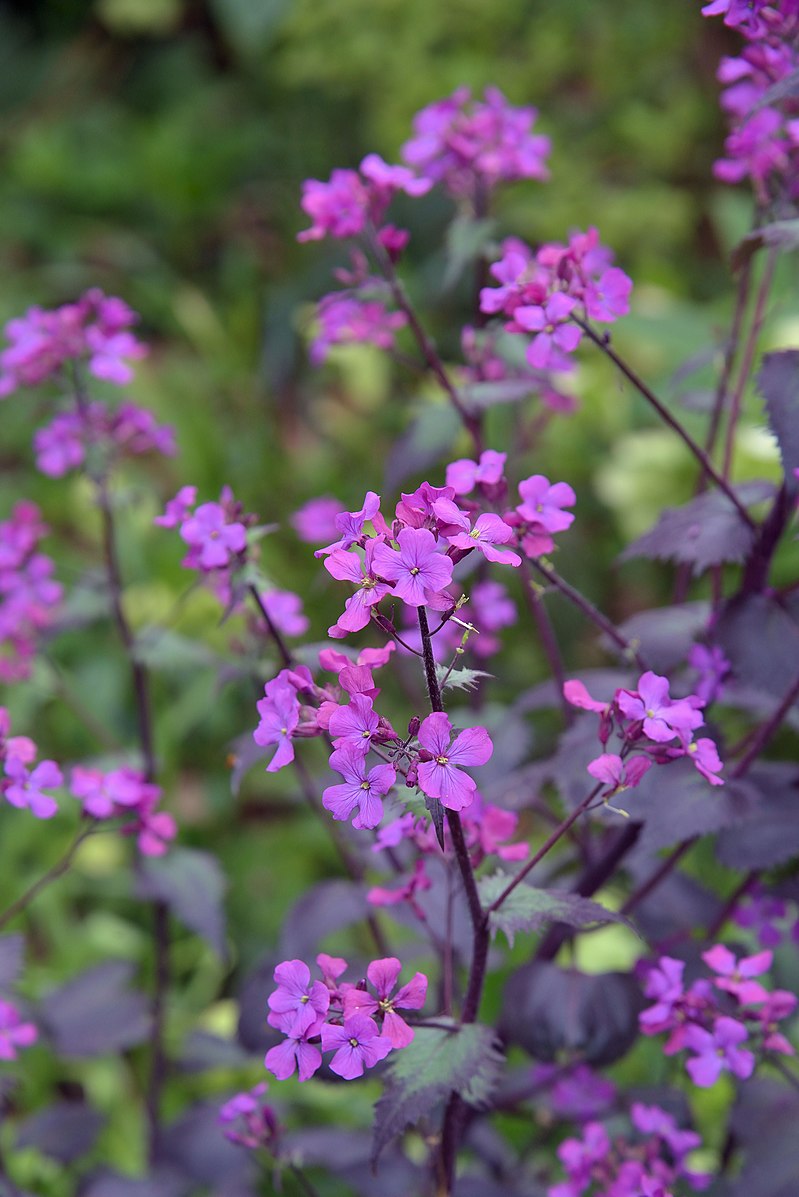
[[177, 509], [355, 724], [662, 717], [735, 976], [555, 334], [463, 475], [338, 208], [718, 1051], [107, 794], [279, 712], [618, 774], [351, 523], [488, 531], [383, 976], [285, 610], [348, 567], [316, 519], [294, 1055], [417, 569], [439, 775], [704, 755], [713, 667], [358, 1045], [217, 540], [25, 788], [298, 1003], [14, 1033], [543, 503], [361, 790], [345, 320]]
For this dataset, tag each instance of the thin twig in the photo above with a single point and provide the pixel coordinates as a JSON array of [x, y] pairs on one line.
[[52, 874]]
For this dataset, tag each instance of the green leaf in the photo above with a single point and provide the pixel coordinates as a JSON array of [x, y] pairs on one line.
[[529, 909], [439, 1061], [461, 679]]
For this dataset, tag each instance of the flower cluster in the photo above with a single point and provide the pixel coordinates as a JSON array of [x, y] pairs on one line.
[[95, 329], [647, 721], [711, 1020], [339, 1016], [125, 793], [770, 918], [540, 293], [29, 595], [470, 145], [354, 319], [127, 431], [599, 1166], [761, 104], [216, 534], [247, 1120], [354, 200], [21, 785]]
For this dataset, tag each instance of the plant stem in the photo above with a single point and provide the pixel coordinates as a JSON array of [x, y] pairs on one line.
[[548, 844], [750, 346], [592, 613], [546, 634], [603, 343], [58, 869], [286, 655]]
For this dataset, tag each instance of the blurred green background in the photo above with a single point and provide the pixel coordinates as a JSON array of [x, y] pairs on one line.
[[156, 148]]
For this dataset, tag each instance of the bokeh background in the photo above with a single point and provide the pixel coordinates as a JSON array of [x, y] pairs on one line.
[[156, 148]]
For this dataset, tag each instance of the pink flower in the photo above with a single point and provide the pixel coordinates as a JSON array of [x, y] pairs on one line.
[[735, 976], [542, 503], [704, 755], [718, 1051], [348, 567], [295, 1055], [488, 532], [354, 725], [618, 774], [361, 790], [25, 789], [279, 713], [14, 1033], [555, 335], [439, 775], [217, 540], [338, 208], [285, 610], [177, 509], [105, 795], [463, 475], [316, 519], [417, 569], [346, 320], [662, 717], [383, 976], [298, 1003], [358, 1045], [351, 524]]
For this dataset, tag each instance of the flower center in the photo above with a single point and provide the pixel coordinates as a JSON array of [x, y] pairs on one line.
[[414, 571], [305, 998], [354, 1043], [475, 533], [442, 760], [364, 785]]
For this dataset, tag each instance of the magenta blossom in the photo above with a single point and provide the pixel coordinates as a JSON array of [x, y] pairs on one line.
[[383, 976], [215, 539], [361, 790], [419, 572], [295, 1055], [488, 532], [618, 774], [735, 976], [279, 713], [464, 475], [316, 519], [662, 717], [25, 788], [14, 1033], [298, 1003], [439, 775], [718, 1051], [358, 1045], [348, 567], [354, 725]]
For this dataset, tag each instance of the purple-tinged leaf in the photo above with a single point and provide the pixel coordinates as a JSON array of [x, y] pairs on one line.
[[548, 1010], [202, 1050], [466, 240], [12, 953], [254, 1033], [195, 1146], [325, 908], [764, 1121], [770, 836], [665, 634], [421, 1076], [96, 1013], [161, 1183], [778, 383], [429, 437], [192, 885], [529, 909], [760, 637], [707, 531], [64, 1131], [678, 903], [676, 803]]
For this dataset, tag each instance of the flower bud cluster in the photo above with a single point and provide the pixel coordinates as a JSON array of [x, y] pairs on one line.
[[29, 595]]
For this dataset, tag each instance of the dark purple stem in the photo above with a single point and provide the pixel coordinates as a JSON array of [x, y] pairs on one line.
[[603, 343]]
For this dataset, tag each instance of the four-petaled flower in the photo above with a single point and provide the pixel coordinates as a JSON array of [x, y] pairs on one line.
[[361, 790], [358, 1045], [417, 569], [298, 1003], [383, 976], [439, 776]]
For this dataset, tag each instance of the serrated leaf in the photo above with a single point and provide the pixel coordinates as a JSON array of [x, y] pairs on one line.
[[530, 909], [460, 679], [759, 635], [707, 531], [778, 383], [192, 885], [437, 1063]]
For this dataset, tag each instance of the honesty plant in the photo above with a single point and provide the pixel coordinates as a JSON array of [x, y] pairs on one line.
[[456, 828]]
